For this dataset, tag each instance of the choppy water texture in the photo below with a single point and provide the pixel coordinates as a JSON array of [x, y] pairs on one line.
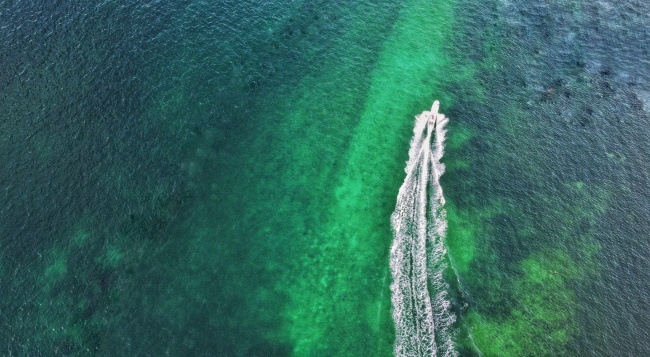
[[218, 178]]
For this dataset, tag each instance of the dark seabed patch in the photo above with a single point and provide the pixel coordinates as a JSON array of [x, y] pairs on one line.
[[552, 157]]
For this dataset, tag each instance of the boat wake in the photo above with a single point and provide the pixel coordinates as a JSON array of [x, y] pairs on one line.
[[421, 307]]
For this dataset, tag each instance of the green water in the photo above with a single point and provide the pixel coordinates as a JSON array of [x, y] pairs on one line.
[[217, 179]]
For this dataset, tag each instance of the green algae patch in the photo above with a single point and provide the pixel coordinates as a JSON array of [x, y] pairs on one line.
[[80, 237], [80, 285], [458, 136], [522, 300], [543, 321], [461, 239], [56, 270], [112, 257], [521, 295], [466, 233]]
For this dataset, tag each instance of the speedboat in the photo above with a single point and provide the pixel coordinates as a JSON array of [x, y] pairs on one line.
[[431, 124]]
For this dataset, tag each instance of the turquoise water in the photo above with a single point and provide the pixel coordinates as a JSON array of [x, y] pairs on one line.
[[218, 178]]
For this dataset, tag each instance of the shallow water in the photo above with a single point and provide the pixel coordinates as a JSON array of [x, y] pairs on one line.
[[218, 178]]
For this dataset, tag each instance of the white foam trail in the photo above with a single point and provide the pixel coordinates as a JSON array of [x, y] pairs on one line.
[[421, 308]]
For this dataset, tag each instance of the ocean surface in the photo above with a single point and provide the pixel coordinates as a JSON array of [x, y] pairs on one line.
[[217, 178]]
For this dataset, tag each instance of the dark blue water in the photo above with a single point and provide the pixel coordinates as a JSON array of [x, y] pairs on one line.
[[577, 75], [168, 176]]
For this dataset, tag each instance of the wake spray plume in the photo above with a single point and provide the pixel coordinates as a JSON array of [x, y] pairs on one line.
[[421, 307]]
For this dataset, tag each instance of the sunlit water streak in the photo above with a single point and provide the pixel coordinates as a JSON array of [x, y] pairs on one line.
[[421, 308]]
